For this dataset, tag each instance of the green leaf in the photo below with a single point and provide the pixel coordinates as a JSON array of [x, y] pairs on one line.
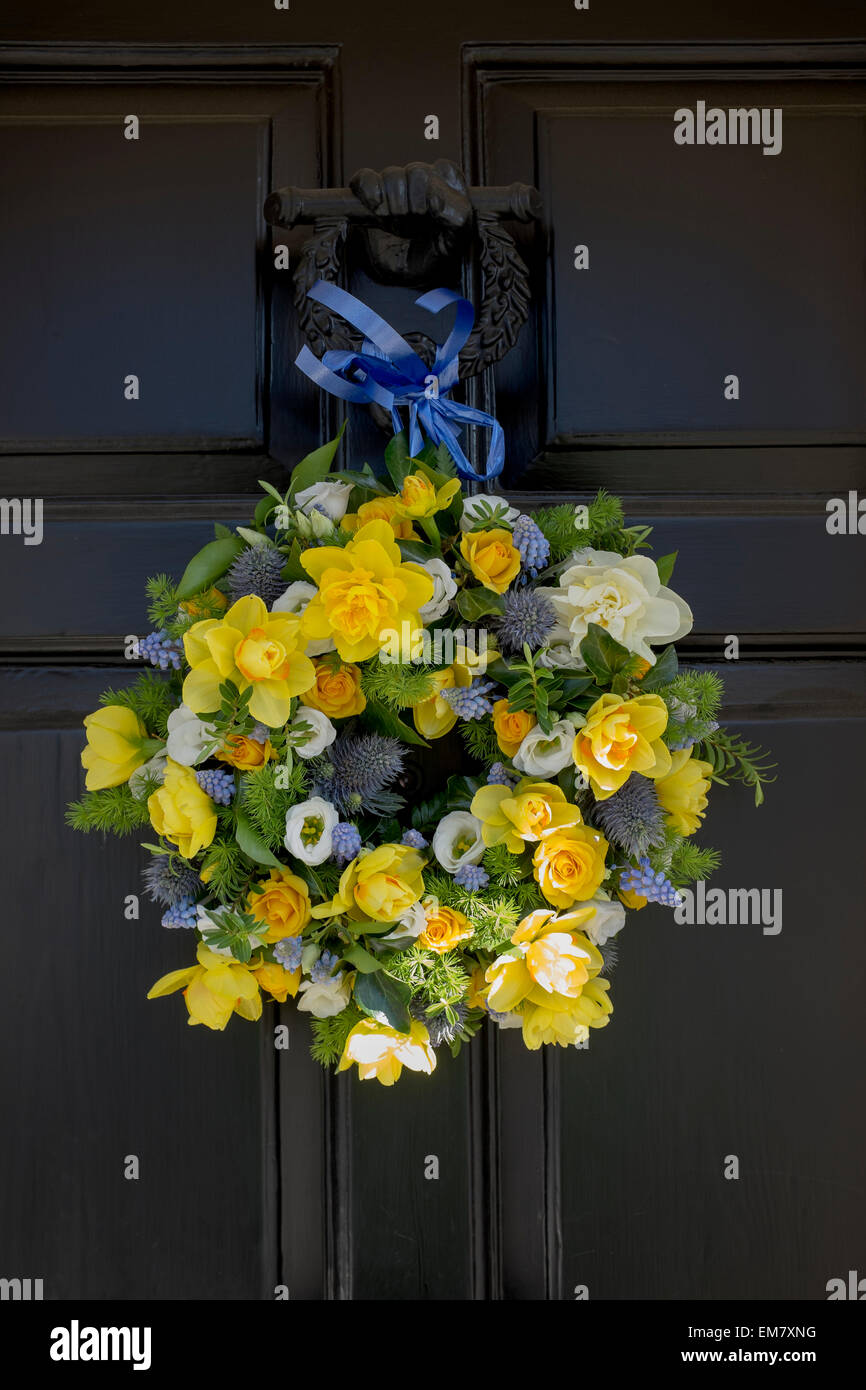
[[478, 603], [220, 531], [384, 999], [208, 565], [264, 507], [602, 654], [665, 566], [664, 671], [386, 722], [418, 551], [315, 466], [573, 686], [361, 958], [271, 491], [397, 460], [363, 480], [293, 569], [251, 843]]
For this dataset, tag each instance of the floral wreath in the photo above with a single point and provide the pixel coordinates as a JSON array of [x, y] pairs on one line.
[[305, 661]]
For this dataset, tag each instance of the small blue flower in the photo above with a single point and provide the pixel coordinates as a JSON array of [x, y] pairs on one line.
[[161, 650], [345, 842], [288, 952], [324, 967], [470, 701], [219, 785], [498, 776], [182, 914], [533, 545], [414, 839], [472, 877], [650, 884]]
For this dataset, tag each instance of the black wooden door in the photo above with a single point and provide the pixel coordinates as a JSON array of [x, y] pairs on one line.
[[598, 1173]]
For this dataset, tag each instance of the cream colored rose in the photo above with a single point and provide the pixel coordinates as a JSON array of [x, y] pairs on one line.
[[622, 594]]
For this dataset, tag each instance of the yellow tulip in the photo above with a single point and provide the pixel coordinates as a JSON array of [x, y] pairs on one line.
[[380, 509], [565, 1027], [380, 884], [117, 744], [214, 989], [365, 593], [550, 964], [435, 717], [182, 812], [522, 814], [249, 647], [621, 737], [492, 557], [418, 497], [382, 1052], [683, 792]]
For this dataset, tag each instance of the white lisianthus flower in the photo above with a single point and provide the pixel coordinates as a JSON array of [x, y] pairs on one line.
[[294, 599], [328, 496], [309, 829], [410, 926], [607, 919], [624, 595], [319, 732], [325, 998], [210, 923], [189, 740], [476, 509], [543, 755], [154, 768], [444, 589], [558, 656], [457, 840]]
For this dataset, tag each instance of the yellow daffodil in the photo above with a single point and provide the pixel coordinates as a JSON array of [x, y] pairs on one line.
[[523, 814], [382, 1052], [365, 592], [492, 557], [380, 884], [511, 726], [181, 811], [214, 989], [445, 927], [418, 497], [249, 647], [117, 744], [621, 737], [569, 864], [434, 716], [547, 1023], [683, 792], [551, 961], [283, 905], [380, 509], [337, 690]]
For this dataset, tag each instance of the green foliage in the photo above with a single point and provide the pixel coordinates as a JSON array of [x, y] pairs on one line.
[[226, 870], [233, 929], [396, 686], [431, 977], [479, 737], [733, 758], [702, 691], [605, 528], [329, 1035], [690, 862], [494, 911], [150, 696], [266, 804], [533, 689], [114, 809], [163, 605], [505, 868]]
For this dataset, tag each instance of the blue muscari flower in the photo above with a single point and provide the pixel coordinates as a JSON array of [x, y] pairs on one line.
[[414, 839], [288, 952], [527, 617], [219, 785], [324, 967], [345, 842], [472, 877], [650, 884], [470, 701], [161, 650], [257, 570], [499, 776], [182, 914], [533, 545], [168, 883]]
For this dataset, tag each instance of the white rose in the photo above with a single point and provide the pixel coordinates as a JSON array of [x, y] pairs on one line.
[[325, 998], [320, 732], [478, 508], [444, 589], [457, 840], [210, 923], [309, 829], [189, 740], [329, 497], [294, 599], [410, 926], [605, 922], [543, 755], [624, 595], [154, 768]]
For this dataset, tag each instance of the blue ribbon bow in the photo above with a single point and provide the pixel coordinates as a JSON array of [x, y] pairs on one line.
[[388, 372]]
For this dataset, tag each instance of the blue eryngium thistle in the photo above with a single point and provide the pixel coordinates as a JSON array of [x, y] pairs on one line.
[[439, 1027], [257, 571], [168, 882], [633, 817], [355, 771], [527, 617]]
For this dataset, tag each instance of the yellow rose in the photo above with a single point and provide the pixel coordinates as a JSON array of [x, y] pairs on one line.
[[365, 593], [245, 753], [683, 792], [277, 981], [511, 726], [117, 744], [382, 1052], [621, 737], [525, 813], [492, 558], [569, 864], [380, 884], [214, 989], [283, 904], [337, 692], [250, 647], [445, 928], [435, 717], [182, 812], [380, 509], [418, 497]]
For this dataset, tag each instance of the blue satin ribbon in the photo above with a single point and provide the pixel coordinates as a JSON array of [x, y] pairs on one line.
[[388, 372]]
